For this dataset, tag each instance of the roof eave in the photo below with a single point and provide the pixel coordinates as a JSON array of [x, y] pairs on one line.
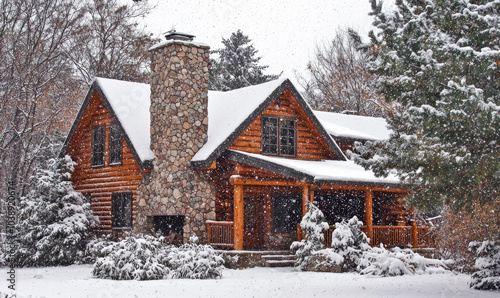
[[269, 166]]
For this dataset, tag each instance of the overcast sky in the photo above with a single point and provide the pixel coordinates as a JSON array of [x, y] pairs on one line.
[[285, 32]]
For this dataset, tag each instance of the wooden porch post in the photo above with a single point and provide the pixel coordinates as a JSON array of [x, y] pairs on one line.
[[305, 199], [238, 217], [414, 234], [369, 214]]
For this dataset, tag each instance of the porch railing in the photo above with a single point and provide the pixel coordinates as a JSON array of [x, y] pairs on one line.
[[220, 233], [390, 236]]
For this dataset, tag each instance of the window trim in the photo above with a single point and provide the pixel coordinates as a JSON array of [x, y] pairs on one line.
[[114, 128], [278, 135], [92, 153], [123, 194]]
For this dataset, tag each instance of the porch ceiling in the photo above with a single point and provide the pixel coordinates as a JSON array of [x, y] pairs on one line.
[[321, 172]]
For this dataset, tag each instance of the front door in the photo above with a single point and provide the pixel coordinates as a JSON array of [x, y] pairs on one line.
[[252, 222]]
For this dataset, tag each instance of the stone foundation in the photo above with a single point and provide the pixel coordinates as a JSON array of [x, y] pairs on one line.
[[179, 124]]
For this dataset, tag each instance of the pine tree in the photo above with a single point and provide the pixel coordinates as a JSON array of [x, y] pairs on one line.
[[55, 220], [440, 61], [237, 66], [313, 225], [349, 242]]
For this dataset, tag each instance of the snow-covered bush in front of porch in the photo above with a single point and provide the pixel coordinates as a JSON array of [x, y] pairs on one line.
[[194, 261], [55, 220], [488, 264], [139, 258], [312, 225], [382, 262], [96, 249], [349, 242]]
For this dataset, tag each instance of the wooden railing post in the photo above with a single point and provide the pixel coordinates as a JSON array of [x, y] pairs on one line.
[[369, 214], [238, 217], [209, 232], [414, 234]]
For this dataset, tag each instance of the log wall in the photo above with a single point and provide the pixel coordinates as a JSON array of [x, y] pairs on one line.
[[310, 143], [101, 182]]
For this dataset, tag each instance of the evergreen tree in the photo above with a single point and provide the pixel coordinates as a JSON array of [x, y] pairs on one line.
[[487, 277], [55, 220], [349, 242], [237, 66], [440, 60], [313, 225]]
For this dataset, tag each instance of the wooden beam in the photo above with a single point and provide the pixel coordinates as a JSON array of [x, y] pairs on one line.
[[364, 188], [248, 181], [238, 217], [305, 199], [369, 214]]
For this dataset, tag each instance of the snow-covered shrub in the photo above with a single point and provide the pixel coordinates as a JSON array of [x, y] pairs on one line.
[[230, 261], [313, 225], [139, 258], [55, 220], [95, 249], [382, 262], [488, 264], [194, 261], [349, 242]]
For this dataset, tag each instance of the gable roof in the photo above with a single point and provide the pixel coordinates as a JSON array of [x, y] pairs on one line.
[[231, 112], [128, 103], [354, 126]]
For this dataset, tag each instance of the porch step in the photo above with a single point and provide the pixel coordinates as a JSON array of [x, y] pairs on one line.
[[287, 260]]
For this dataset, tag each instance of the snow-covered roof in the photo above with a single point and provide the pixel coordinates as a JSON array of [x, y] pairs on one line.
[[130, 103], [227, 110], [353, 126], [337, 171], [229, 113]]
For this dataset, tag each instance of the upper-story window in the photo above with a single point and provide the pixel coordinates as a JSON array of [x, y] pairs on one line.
[[115, 144], [279, 136], [98, 139]]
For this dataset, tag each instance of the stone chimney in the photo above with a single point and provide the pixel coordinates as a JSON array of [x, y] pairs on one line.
[[179, 125]]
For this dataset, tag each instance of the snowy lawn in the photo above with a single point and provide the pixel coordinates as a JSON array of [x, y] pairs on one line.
[[77, 281]]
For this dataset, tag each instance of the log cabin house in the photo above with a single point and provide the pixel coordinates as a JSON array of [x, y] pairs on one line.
[[235, 168]]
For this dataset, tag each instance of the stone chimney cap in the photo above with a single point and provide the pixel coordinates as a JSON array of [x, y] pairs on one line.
[[174, 35]]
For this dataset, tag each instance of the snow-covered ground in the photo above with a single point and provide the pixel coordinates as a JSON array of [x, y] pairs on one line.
[[77, 281]]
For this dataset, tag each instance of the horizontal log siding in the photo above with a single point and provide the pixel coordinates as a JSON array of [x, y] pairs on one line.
[[310, 143], [102, 182]]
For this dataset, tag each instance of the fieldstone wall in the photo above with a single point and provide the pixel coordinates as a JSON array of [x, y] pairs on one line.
[[179, 123]]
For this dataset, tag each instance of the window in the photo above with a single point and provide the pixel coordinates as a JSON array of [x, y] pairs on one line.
[[287, 137], [279, 136], [287, 212], [121, 217], [341, 205], [269, 135], [115, 144], [98, 137]]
